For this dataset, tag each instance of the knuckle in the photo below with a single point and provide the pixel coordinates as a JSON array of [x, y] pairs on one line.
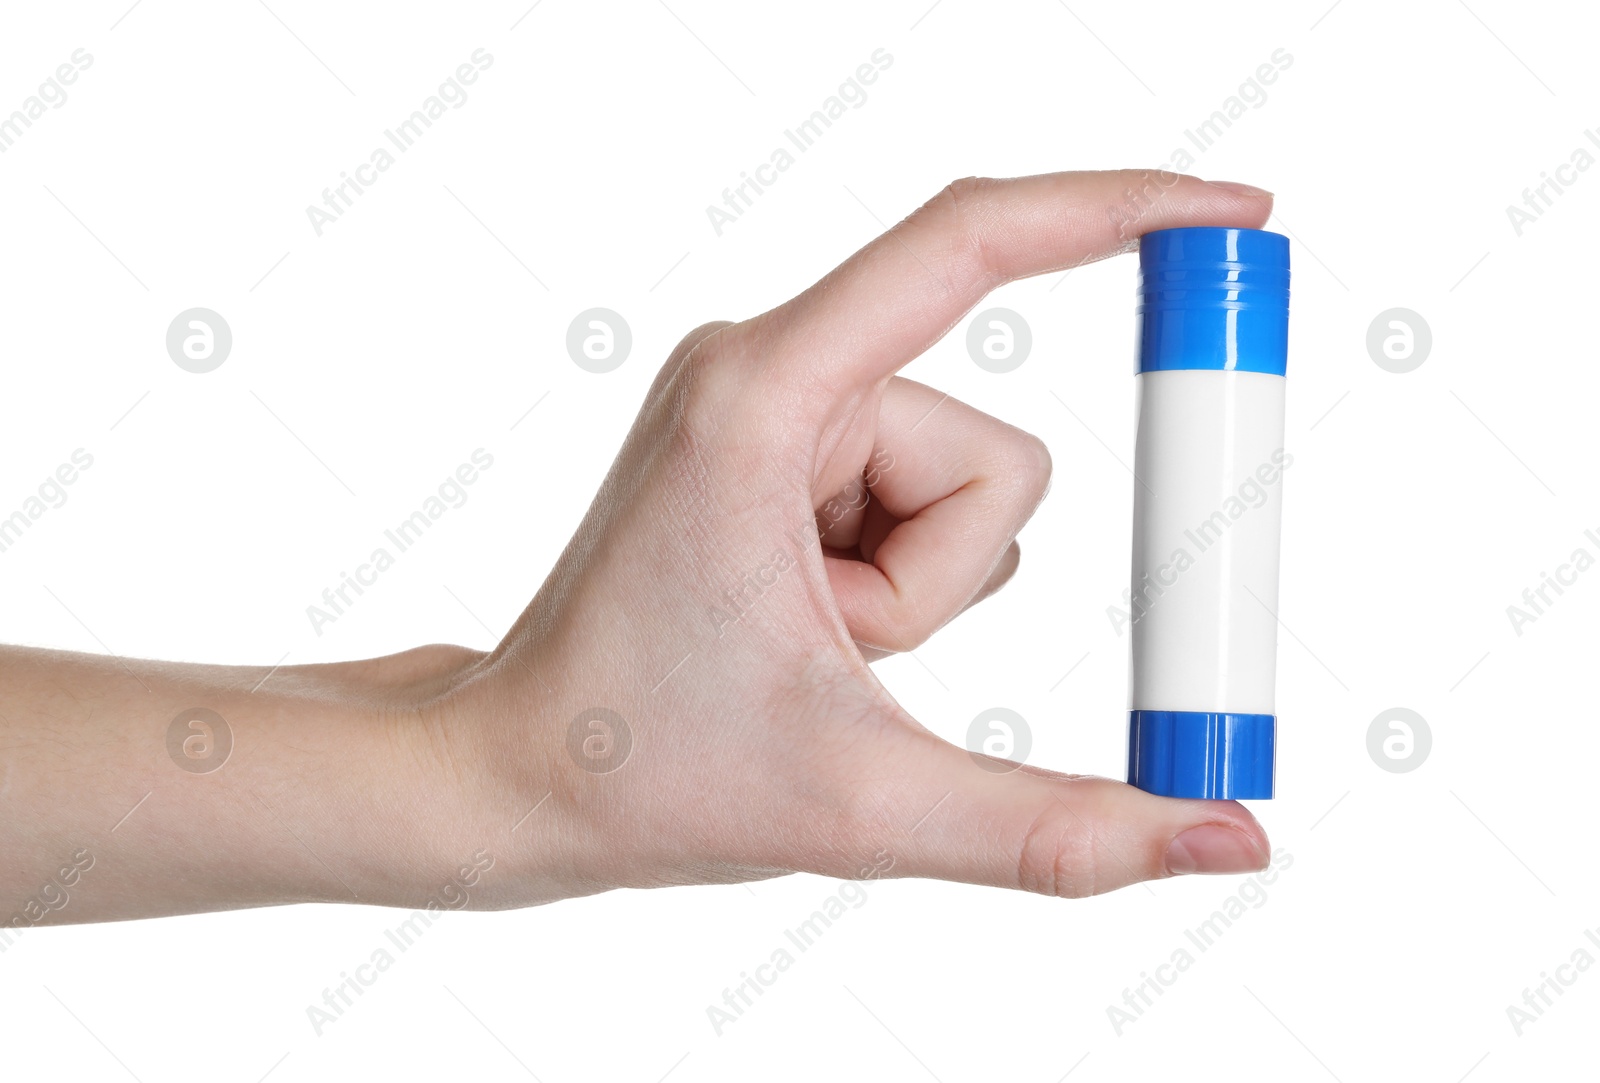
[[696, 338], [1019, 468], [966, 190], [714, 354], [689, 354], [1058, 857], [1031, 463], [958, 212], [716, 407], [705, 383]]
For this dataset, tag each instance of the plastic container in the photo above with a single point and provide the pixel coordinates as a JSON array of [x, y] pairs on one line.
[[1208, 498]]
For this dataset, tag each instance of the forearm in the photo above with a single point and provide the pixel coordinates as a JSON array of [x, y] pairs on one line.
[[327, 783]]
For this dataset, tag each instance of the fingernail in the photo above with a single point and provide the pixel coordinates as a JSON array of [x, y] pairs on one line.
[[1240, 189], [1213, 848]]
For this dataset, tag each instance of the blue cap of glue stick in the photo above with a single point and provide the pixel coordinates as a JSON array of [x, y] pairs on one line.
[[1209, 754], [1213, 298]]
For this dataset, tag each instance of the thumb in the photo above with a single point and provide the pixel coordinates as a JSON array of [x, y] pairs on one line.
[[983, 821]]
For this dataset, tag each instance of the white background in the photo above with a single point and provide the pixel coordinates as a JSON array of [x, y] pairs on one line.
[[370, 361]]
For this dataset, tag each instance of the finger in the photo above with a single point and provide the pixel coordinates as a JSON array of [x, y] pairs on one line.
[[1004, 569], [952, 819], [954, 486], [894, 298], [1007, 566], [998, 578]]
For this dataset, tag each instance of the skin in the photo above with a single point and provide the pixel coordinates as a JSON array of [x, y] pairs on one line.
[[760, 745]]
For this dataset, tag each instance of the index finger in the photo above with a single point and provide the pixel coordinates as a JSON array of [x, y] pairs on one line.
[[894, 298]]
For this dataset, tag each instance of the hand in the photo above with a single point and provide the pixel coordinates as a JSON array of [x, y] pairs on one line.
[[784, 510]]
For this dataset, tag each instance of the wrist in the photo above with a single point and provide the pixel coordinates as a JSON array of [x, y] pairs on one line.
[[470, 787], [414, 827]]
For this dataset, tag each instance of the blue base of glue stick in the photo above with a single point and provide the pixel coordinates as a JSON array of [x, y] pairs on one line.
[[1202, 754]]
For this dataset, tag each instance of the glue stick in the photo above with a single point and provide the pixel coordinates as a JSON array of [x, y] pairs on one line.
[[1208, 489]]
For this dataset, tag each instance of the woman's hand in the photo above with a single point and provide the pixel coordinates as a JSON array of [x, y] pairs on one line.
[[687, 699]]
